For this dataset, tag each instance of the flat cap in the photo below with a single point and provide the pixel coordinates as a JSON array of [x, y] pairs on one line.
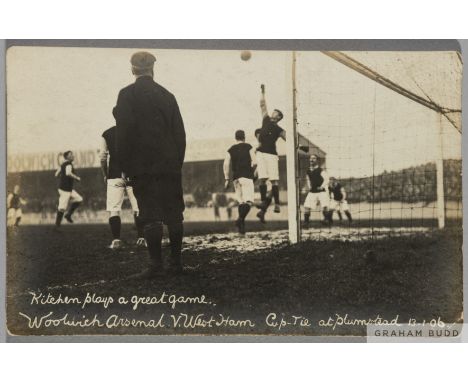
[[142, 60]]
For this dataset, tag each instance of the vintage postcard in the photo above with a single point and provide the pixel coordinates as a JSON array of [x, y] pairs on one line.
[[233, 192]]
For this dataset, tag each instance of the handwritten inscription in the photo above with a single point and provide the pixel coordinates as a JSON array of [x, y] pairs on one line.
[[202, 321], [279, 322], [169, 312], [182, 320], [345, 320], [171, 300]]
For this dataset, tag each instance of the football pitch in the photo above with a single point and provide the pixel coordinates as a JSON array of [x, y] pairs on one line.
[[416, 276]]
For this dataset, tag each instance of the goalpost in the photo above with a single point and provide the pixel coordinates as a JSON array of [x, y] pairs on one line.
[[427, 85], [292, 165], [440, 178]]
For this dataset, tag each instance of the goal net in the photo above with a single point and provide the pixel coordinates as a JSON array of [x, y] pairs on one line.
[[388, 125]]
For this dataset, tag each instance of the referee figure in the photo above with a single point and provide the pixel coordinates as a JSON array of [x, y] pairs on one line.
[[150, 142]]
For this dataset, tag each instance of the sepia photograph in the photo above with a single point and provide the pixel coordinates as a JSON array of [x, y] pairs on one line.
[[233, 192]]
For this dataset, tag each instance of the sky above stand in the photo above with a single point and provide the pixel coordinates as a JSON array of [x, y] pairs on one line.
[[62, 98]]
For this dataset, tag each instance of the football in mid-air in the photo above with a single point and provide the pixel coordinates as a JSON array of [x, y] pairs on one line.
[[245, 55]]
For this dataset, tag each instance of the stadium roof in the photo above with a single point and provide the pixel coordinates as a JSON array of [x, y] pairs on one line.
[[197, 151]]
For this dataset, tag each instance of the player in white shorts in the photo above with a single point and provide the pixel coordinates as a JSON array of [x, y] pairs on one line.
[[67, 194], [338, 200], [240, 158], [117, 186], [318, 195], [14, 203], [267, 156]]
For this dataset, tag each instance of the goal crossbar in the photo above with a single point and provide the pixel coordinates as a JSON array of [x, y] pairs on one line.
[[373, 75]]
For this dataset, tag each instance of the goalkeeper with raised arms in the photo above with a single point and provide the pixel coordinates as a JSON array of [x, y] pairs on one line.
[[267, 156]]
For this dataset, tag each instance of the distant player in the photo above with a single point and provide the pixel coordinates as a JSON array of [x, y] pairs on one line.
[[14, 203], [241, 159], [67, 194], [117, 186], [215, 204], [231, 203], [318, 191], [338, 201], [267, 156]]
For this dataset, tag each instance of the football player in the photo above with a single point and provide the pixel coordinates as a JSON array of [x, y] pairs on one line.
[[318, 191], [14, 203], [338, 200], [267, 156], [241, 159], [117, 186], [67, 194], [215, 204]]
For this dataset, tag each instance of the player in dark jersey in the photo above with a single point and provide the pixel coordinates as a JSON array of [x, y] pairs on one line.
[[338, 200], [318, 191], [117, 186], [267, 156], [240, 158], [14, 203], [67, 194]]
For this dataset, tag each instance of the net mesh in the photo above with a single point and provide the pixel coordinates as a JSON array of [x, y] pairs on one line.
[[381, 145]]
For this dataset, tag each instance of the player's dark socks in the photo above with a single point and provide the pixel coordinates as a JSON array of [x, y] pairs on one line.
[[261, 216], [115, 224], [263, 192], [72, 209], [153, 234], [58, 218], [17, 222], [266, 203], [339, 215], [348, 215], [244, 209], [306, 217], [176, 234], [247, 210], [139, 225], [240, 224], [327, 216], [275, 194]]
